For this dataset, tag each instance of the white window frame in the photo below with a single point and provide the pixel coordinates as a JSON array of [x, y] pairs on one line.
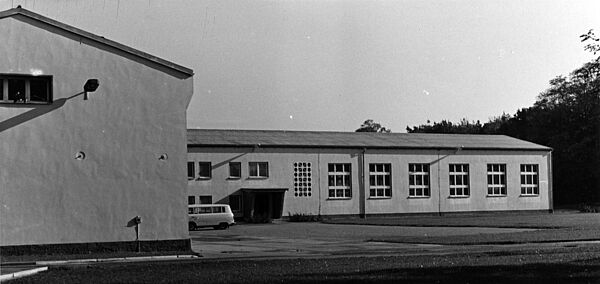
[[264, 173], [337, 190], [530, 180], [377, 189], [459, 173], [496, 179], [419, 173]]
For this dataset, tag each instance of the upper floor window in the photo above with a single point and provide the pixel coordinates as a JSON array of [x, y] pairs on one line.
[[339, 181], [25, 89], [191, 200], [459, 180], [258, 169], [191, 171], [235, 170], [529, 180], [380, 180], [496, 175], [418, 180], [204, 170]]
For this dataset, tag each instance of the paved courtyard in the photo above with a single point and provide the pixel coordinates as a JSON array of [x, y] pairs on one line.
[[286, 239]]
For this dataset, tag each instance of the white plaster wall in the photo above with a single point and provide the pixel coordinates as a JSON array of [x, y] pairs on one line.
[[137, 114], [281, 170]]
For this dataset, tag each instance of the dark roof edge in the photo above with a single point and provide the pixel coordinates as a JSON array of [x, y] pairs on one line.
[[547, 149], [100, 39]]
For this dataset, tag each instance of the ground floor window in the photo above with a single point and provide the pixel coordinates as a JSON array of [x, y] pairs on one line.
[[206, 199], [418, 180], [529, 180], [496, 176], [235, 203], [380, 181], [459, 180], [302, 179], [340, 185], [191, 200]]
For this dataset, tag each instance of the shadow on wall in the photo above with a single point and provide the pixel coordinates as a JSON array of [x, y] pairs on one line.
[[38, 110]]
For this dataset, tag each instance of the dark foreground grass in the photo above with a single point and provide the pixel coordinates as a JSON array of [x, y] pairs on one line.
[[557, 265]]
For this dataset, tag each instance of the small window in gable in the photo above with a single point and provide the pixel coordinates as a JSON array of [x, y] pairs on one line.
[[25, 89]]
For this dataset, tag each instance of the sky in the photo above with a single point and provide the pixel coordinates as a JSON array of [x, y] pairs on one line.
[[330, 65]]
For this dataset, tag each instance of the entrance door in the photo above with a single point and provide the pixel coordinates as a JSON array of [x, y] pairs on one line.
[[261, 205]]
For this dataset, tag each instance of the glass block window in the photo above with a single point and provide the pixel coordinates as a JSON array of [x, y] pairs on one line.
[[418, 180], [340, 185], [380, 180], [529, 180], [496, 176], [459, 180], [302, 179]]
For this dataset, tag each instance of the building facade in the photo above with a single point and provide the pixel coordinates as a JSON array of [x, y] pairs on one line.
[[274, 174], [93, 134]]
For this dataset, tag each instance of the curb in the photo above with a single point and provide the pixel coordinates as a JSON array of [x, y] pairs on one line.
[[23, 273], [116, 259]]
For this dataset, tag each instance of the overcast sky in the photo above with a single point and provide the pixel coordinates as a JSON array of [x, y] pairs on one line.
[[329, 65]]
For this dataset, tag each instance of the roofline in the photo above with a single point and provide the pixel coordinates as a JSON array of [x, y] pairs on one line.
[[96, 38], [548, 149]]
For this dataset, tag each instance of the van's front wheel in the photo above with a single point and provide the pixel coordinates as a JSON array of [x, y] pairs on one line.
[[192, 226], [221, 226]]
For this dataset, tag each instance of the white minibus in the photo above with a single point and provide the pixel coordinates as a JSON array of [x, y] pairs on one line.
[[218, 216]]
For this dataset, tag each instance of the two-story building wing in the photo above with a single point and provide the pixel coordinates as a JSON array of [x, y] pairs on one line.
[[92, 135], [274, 174]]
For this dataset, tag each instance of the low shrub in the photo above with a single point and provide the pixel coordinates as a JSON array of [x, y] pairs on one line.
[[301, 217]]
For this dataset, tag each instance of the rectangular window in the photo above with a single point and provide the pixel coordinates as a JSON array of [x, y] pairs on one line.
[[529, 180], [258, 169], [496, 175], [235, 202], [204, 170], [205, 199], [418, 180], [235, 170], [340, 177], [191, 200], [25, 89], [191, 171], [380, 181], [459, 180]]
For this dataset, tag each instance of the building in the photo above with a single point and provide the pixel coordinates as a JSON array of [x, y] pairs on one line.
[[93, 134], [273, 174]]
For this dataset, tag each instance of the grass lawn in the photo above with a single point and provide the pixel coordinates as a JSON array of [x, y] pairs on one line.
[[551, 227], [556, 265]]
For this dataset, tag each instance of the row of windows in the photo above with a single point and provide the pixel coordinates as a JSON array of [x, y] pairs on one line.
[[380, 178], [256, 170]]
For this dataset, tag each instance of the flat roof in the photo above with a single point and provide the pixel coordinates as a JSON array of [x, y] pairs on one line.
[[31, 15], [369, 140]]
